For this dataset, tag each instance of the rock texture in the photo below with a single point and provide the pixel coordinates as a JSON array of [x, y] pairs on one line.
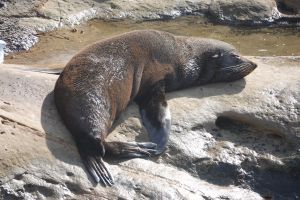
[[22, 21], [289, 6], [245, 12], [236, 140]]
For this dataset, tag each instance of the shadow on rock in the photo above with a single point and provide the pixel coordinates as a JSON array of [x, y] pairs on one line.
[[209, 90], [58, 138], [264, 174], [273, 181]]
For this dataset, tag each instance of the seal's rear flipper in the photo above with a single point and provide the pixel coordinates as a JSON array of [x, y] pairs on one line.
[[156, 116], [130, 149], [98, 170], [91, 151]]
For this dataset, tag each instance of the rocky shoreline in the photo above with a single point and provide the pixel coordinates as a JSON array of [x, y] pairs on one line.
[[234, 141], [22, 21]]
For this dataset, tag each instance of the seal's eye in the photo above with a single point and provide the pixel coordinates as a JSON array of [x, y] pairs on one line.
[[235, 56], [217, 55]]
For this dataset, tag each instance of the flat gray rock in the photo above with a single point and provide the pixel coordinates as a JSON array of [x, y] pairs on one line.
[[236, 140]]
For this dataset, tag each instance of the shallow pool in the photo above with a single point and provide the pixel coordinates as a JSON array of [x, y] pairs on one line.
[[56, 48]]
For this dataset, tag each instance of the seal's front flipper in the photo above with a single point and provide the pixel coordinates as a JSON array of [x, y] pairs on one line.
[[91, 151], [156, 116]]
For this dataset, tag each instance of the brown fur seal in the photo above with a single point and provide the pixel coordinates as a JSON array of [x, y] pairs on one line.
[[99, 82]]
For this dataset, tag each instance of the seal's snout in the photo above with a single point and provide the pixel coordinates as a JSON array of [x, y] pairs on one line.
[[250, 66], [233, 67], [254, 65]]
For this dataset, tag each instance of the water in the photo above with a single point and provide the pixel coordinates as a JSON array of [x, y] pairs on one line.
[[56, 48]]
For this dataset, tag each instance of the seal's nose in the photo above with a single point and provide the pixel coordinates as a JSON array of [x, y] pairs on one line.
[[254, 65], [251, 65]]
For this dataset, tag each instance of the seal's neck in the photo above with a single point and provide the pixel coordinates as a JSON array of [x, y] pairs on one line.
[[194, 63]]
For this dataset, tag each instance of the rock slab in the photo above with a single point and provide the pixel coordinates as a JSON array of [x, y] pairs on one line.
[[235, 140]]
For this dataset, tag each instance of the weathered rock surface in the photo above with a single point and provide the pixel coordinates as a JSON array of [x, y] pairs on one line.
[[289, 6], [21, 21], [235, 140]]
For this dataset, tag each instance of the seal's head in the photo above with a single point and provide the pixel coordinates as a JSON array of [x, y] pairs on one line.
[[228, 64], [221, 62]]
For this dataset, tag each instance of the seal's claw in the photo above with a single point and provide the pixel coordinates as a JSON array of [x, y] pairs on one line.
[[148, 145], [98, 170], [131, 149], [139, 149]]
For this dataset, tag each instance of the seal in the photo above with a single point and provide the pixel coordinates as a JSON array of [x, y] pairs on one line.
[[99, 82]]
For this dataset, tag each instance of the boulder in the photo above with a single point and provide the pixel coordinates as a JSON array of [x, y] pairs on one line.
[[289, 6], [252, 12], [236, 140]]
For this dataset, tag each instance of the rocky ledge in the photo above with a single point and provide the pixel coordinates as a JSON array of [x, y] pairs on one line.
[[22, 21], [235, 140]]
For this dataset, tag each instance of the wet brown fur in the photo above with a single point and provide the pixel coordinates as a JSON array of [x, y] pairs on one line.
[[138, 54]]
